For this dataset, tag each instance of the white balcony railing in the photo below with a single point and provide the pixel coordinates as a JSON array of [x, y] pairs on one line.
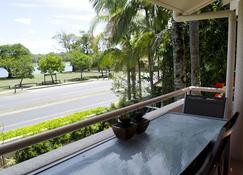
[[22, 143]]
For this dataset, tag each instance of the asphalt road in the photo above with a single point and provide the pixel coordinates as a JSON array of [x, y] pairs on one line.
[[34, 106]]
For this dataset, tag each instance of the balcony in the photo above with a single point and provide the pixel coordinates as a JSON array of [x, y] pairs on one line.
[[79, 148]]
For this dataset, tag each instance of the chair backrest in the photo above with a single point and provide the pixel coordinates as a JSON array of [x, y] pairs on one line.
[[199, 105], [221, 142], [208, 167], [204, 163], [219, 146], [230, 124], [201, 161]]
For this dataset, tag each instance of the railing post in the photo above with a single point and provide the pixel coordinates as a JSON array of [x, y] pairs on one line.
[[230, 65], [237, 135]]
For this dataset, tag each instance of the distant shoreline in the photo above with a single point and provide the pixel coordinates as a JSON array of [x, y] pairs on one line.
[[4, 73]]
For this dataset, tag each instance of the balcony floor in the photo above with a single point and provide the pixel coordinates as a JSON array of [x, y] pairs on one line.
[[236, 167]]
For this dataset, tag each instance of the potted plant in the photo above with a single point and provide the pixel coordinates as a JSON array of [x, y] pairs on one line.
[[141, 122], [124, 128]]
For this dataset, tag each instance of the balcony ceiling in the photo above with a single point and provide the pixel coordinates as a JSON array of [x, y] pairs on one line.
[[184, 6]]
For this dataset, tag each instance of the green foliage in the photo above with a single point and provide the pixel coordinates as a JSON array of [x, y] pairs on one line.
[[112, 58], [133, 27], [50, 124], [80, 60], [213, 47], [213, 55], [85, 43], [23, 68], [66, 40], [78, 48], [46, 146], [144, 42], [17, 60], [51, 63], [165, 55]]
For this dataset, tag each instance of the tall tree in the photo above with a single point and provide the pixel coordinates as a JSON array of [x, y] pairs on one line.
[[23, 68], [178, 55], [143, 45], [67, 40], [194, 52], [80, 60], [121, 15], [119, 60], [10, 54], [51, 63], [85, 41]]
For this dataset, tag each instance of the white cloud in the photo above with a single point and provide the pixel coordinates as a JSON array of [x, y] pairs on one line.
[[56, 21], [40, 46], [77, 27], [77, 5], [70, 16], [32, 31], [85, 17], [36, 46], [26, 21], [24, 4]]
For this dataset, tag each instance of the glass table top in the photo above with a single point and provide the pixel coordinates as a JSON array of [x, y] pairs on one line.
[[169, 144]]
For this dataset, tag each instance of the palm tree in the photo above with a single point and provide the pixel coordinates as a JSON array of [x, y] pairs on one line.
[[121, 14], [119, 60], [143, 46]]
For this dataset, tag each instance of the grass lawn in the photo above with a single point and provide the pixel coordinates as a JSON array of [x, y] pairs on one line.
[[5, 83]]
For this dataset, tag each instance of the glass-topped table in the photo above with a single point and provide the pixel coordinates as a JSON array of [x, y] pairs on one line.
[[170, 143]]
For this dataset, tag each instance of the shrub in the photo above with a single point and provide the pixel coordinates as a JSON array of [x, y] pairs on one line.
[[46, 146], [51, 124]]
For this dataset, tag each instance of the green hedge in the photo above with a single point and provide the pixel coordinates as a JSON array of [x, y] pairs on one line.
[[46, 146], [51, 124]]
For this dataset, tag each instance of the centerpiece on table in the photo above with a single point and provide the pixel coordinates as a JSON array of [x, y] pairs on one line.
[[124, 128], [131, 124], [141, 122]]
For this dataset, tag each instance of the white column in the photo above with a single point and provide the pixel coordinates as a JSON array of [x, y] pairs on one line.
[[237, 135], [230, 64]]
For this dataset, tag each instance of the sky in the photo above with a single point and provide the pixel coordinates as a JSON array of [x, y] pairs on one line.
[[33, 23]]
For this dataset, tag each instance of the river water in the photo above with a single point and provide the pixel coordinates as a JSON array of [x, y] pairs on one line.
[[4, 73]]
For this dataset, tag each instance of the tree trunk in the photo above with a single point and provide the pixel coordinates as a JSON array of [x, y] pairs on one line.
[[178, 55], [151, 73], [73, 68], [21, 81], [194, 51], [128, 84], [52, 78], [102, 73], [133, 76], [139, 79], [81, 74], [158, 65], [9, 73]]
